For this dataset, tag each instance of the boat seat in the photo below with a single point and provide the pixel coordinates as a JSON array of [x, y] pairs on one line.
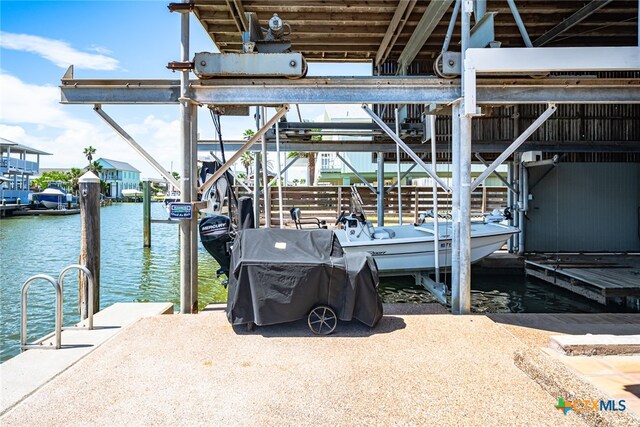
[[382, 233]]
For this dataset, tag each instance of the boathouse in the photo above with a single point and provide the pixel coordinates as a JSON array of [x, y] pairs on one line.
[[549, 91]]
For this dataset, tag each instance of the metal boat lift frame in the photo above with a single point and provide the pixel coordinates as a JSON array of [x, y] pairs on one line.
[[464, 96]]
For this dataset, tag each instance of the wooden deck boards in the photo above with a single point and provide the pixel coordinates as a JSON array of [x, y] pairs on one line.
[[601, 277]]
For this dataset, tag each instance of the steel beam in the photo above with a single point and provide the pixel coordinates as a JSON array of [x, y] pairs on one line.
[[455, 207], [284, 169], [429, 21], [213, 178], [478, 146], [266, 194], [464, 182], [398, 171], [450, 28], [137, 147], [500, 177], [380, 190], [186, 182], [540, 60], [238, 180], [514, 146], [406, 148], [356, 173], [519, 23], [344, 90], [583, 13]]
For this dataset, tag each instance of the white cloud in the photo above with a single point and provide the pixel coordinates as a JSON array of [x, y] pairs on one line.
[[59, 52], [31, 115], [26, 103]]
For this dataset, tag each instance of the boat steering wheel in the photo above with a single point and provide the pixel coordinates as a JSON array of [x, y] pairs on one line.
[[341, 217]]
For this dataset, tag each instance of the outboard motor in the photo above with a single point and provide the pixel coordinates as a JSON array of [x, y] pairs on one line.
[[215, 233]]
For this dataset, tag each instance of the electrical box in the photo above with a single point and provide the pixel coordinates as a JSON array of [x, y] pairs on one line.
[[531, 156]]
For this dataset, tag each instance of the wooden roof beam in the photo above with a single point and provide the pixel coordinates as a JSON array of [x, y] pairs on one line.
[[400, 18], [237, 13], [429, 21]]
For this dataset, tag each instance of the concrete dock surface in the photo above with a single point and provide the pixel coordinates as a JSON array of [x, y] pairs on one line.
[[412, 369]]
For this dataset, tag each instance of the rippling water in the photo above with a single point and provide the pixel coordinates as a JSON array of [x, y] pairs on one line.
[[129, 272], [33, 245]]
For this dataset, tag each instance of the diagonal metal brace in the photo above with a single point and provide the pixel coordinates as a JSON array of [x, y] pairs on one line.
[[213, 178], [514, 145], [500, 177], [406, 148], [362, 178], [284, 169], [137, 147]]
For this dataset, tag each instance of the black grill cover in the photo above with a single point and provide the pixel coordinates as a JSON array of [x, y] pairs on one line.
[[280, 275]]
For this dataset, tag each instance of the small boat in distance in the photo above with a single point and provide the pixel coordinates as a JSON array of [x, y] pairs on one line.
[[55, 197], [132, 193], [171, 197]]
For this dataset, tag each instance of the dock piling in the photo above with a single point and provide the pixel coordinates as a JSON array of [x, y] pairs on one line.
[[90, 234], [146, 213]]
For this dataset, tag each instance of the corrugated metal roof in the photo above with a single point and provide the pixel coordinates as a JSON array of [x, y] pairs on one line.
[[122, 166], [353, 30]]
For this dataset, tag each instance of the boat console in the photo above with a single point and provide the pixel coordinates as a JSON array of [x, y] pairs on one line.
[[358, 228]]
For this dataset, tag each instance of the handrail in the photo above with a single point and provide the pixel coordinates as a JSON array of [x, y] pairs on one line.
[[88, 292], [23, 329]]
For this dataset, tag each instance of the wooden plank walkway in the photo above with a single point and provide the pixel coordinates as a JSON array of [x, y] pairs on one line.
[[597, 277]]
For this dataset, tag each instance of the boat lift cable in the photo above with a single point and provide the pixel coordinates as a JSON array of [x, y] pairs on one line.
[[231, 195]]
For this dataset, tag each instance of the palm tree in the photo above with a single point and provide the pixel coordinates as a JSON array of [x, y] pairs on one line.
[[95, 167], [89, 152], [311, 162], [74, 174], [246, 160], [248, 133]]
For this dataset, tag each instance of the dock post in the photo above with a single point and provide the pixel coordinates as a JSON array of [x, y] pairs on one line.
[[146, 213], [266, 192], [186, 180], [89, 185], [194, 197], [380, 190]]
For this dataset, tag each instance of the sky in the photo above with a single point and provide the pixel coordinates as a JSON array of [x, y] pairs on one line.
[[107, 40]]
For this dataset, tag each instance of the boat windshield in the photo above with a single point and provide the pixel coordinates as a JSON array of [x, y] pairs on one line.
[[356, 201]]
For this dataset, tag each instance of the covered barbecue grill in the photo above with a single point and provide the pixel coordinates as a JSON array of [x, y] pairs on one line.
[[280, 275]]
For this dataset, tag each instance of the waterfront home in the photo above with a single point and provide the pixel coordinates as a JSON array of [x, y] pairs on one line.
[[118, 176], [18, 164]]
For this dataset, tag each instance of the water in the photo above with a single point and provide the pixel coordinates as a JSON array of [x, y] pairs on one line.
[[130, 273]]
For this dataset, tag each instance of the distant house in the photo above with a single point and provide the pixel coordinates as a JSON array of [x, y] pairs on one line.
[[118, 176], [18, 164]]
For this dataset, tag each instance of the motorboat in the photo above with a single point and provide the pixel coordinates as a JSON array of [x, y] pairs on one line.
[[132, 193], [411, 248], [171, 197], [55, 197]]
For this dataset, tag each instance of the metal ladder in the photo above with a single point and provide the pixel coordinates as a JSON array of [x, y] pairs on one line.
[[58, 285]]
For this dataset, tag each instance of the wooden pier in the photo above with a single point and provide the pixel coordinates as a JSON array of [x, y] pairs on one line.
[[602, 278], [15, 210]]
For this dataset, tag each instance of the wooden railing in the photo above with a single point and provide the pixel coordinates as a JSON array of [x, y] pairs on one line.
[[326, 202]]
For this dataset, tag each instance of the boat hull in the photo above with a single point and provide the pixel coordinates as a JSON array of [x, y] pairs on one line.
[[402, 255], [52, 201]]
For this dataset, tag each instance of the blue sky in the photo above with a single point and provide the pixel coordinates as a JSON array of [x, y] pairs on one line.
[[103, 39]]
